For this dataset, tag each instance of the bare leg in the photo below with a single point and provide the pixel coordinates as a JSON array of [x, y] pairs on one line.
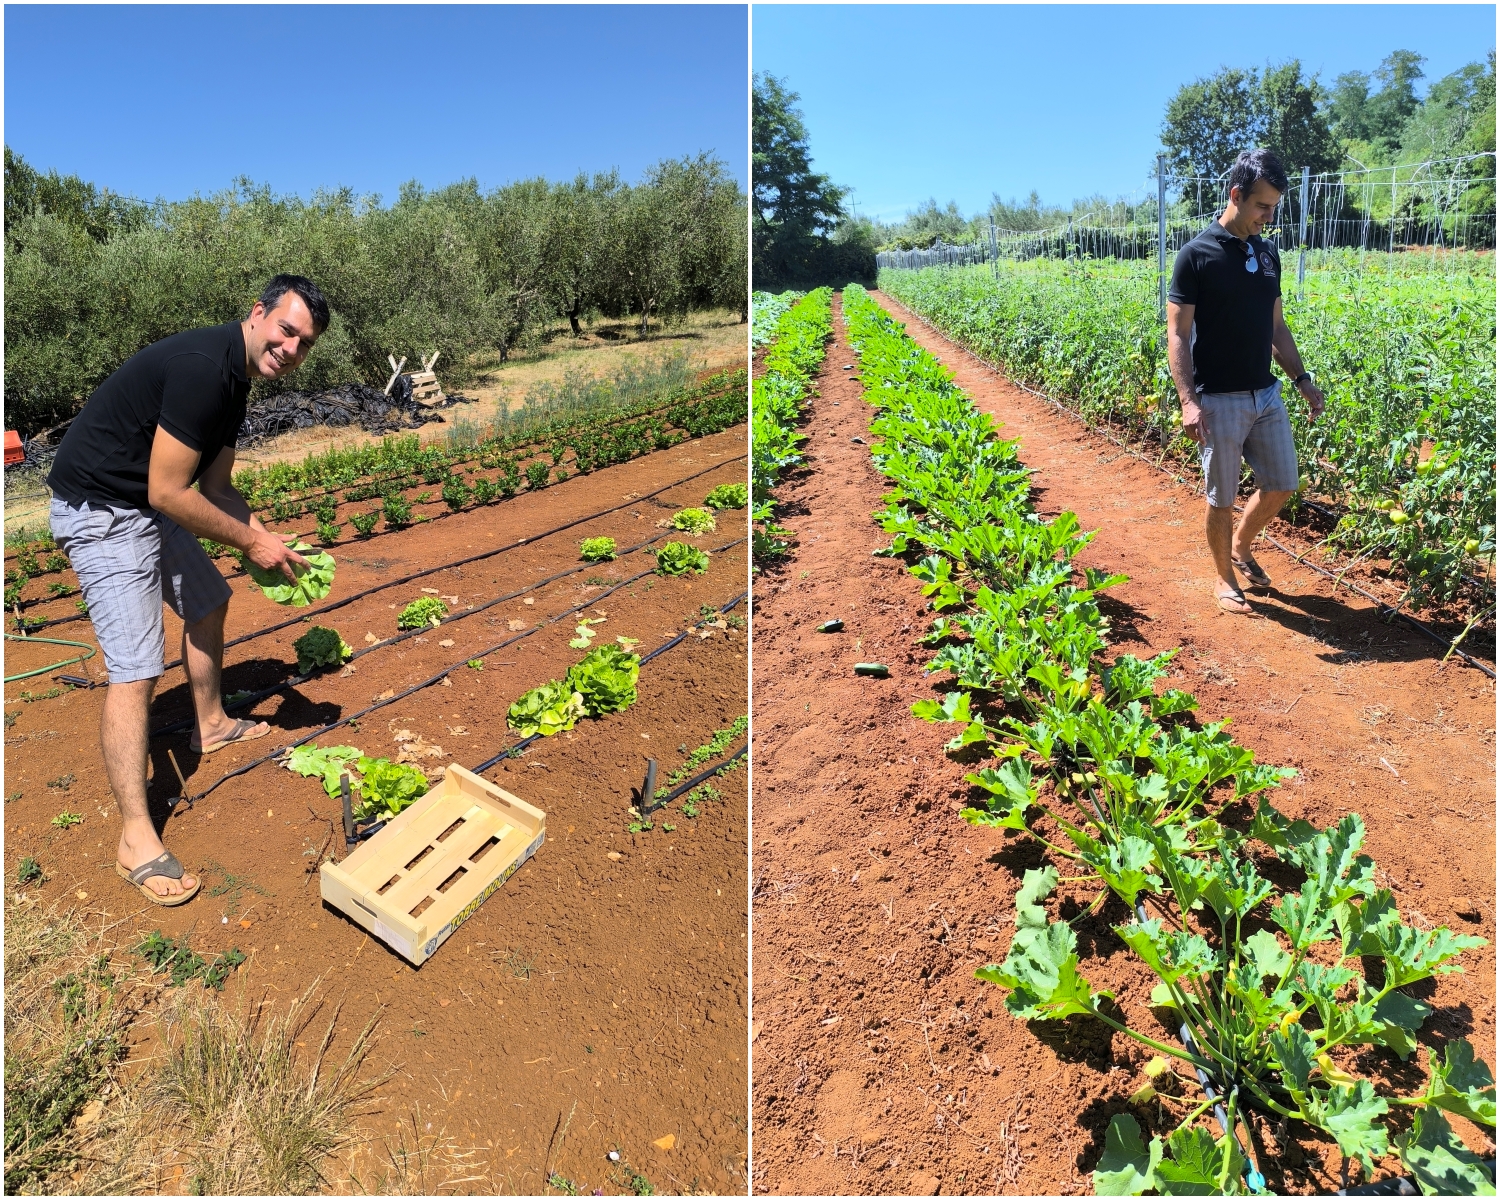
[[1259, 510], [1220, 529], [123, 736], [203, 659]]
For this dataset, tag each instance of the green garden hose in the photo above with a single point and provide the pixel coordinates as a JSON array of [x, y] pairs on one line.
[[16, 637]]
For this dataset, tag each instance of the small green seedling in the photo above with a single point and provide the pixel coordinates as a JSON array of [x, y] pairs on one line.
[[476, 663], [66, 820], [30, 871], [364, 523]]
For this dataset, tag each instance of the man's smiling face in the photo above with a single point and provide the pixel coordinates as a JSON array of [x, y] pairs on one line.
[[278, 341], [1259, 207]]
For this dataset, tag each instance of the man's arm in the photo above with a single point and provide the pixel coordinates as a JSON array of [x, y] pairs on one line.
[[1289, 359], [218, 511], [1180, 359]]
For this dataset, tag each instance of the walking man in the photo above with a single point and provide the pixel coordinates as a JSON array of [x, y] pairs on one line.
[[127, 514], [1224, 326]]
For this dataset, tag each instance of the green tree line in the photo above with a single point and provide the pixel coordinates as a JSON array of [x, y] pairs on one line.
[[91, 277], [1364, 120]]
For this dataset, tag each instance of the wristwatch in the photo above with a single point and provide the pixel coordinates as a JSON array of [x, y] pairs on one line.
[[1307, 375]]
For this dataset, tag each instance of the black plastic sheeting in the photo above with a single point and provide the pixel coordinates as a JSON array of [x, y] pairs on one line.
[[348, 404]]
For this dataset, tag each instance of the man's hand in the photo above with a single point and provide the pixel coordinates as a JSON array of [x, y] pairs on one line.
[[1316, 402], [1194, 423], [269, 552]]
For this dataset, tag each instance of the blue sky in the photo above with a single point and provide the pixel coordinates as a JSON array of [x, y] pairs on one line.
[[163, 100], [958, 102]]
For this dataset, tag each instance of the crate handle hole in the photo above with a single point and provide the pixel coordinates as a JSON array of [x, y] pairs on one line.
[[452, 879], [425, 851], [484, 849], [422, 906], [387, 886], [458, 824]]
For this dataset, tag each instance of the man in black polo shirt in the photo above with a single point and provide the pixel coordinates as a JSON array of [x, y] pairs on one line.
[[1224, 326], [127, 514]]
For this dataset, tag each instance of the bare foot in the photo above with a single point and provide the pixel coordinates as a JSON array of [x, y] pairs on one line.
[[139, 847]]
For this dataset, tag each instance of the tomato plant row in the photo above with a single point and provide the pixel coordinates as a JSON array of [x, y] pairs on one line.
[[796, 353], [1114, 776], [1406, 449]]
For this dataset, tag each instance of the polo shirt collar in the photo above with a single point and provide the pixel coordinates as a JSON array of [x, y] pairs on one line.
[[1217, 230], [237, 352]]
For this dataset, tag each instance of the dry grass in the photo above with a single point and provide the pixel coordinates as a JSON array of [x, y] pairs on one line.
[[66, 1020], [227, 1100]]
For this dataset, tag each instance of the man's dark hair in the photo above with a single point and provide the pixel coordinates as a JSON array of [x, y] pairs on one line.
[[280, 285], [1254, 165]]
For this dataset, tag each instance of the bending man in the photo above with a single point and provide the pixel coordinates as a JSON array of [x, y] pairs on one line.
[[1224, 326], [127, 514]]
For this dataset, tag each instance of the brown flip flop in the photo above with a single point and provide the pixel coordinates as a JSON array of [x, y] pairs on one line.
[[242, 733], [1252, 572], [166, 866], [1236, 597]]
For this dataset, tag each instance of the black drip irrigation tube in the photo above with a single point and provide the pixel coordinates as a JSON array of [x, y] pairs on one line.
[[513, 751], [1383, 608], [526, 541], [649, 789], [252, 698], [433, 680]]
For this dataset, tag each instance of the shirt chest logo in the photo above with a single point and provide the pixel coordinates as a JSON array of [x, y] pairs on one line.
[[1268, 265]]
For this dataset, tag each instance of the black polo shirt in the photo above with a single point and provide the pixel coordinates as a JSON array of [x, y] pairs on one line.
[[1233, 307], [191, 384]]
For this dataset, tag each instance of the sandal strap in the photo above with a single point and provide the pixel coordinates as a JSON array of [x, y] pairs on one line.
[[166, 865]]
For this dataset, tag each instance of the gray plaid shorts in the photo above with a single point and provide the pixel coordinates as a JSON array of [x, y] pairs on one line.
[[1251, 427], [129, 562]]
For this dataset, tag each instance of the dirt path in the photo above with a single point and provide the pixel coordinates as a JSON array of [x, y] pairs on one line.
[[880, 1064], [609, 973]]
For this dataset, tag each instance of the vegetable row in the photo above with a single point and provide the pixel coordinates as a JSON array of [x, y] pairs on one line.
[[766, 309], [1405, 451], [1272, 983], [777, 398], [593, 441]]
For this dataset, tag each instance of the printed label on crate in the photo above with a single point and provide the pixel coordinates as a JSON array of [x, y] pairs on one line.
[[472, 906], [392, 939]]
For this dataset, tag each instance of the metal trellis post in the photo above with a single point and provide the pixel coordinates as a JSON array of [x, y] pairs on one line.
[[1302, 238], [1161, 238]]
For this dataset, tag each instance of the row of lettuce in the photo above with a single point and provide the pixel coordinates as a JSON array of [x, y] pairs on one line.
[[1268, 980], [602, 682], [1405, 452], [797, 344]]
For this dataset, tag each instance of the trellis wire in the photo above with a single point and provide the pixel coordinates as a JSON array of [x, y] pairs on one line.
[[1406, 207]]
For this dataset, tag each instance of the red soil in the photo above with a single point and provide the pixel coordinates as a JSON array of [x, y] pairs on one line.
[[880, 1065], [609, 973]]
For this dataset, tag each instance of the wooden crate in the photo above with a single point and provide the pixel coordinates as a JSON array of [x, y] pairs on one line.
[[429, 870], [424, 388]]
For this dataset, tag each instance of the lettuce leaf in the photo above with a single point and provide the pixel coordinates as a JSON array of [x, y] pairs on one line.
[[546, 710], [388, 788], [605, 679], [328, 764], [312, 584], [321, 647]]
